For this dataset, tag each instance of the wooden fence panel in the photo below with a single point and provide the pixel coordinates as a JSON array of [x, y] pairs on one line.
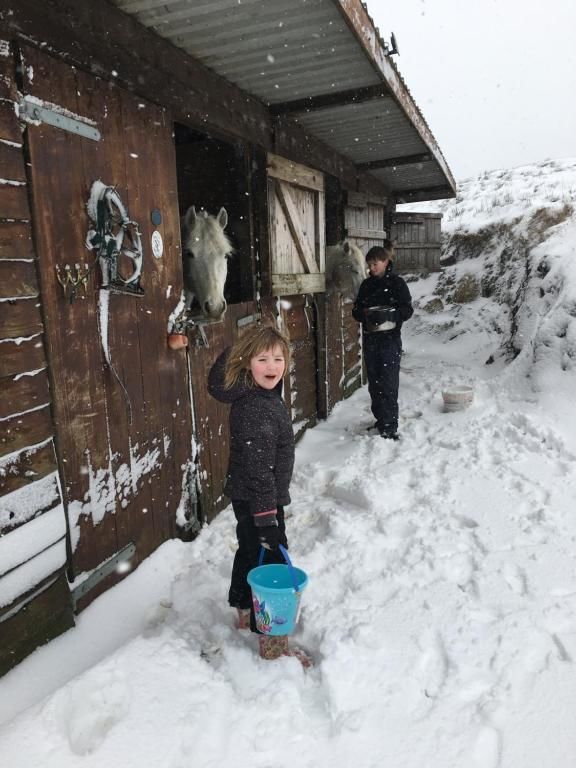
[[418, 241]]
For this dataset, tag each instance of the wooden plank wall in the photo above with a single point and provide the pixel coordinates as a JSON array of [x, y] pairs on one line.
[[35, 602], [344, 350], [123, 473], [418, 237], [299, 321], [212, 434]]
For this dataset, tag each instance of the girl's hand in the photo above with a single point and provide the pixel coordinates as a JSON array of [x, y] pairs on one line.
[[269, 537]]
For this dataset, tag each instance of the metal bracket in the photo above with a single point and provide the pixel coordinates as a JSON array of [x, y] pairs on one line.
[[33, 111], [103, 570], [248, 319]]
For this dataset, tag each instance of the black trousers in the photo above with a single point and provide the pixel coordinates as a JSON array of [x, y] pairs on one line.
[[382, 353], [247, 554]]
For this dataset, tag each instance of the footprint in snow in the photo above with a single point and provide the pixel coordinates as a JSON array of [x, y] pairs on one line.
[[515, 577], [432, 667], [459, 568], [91, 706], [487, 748], [465, 522]]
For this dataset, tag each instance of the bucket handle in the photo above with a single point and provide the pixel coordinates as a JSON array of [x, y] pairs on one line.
[[286, 557]]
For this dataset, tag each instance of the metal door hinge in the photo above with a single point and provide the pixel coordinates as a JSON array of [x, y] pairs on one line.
[[32, 110], [103, 570]]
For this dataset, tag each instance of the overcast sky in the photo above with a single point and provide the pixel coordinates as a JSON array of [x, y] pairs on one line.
[[496, 81]]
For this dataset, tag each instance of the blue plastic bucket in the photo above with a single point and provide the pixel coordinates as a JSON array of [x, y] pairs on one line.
[[276, 592]]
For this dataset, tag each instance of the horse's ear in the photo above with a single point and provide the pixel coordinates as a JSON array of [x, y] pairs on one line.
[[222, 218], [346, 247], [190, 217]]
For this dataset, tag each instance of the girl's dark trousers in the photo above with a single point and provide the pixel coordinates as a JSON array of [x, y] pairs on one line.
[[246, 557], [382, 353]]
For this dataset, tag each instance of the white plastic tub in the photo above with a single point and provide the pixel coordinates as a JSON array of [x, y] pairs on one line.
[[457, 397]]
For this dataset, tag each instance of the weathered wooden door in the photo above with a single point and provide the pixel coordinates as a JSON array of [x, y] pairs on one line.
[[418, 240], [365, 220], [123, 481], [297, 230]]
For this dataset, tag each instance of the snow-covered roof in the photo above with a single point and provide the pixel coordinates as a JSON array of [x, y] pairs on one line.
[[323, 64]]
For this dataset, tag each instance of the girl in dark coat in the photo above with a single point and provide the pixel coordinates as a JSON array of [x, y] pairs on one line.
[[382, 305], [249, 377]]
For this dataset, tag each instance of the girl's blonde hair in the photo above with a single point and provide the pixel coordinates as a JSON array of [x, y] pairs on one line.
[[252, 343]]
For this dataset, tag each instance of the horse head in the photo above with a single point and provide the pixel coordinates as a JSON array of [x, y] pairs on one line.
[[205, 249], [345, 269]]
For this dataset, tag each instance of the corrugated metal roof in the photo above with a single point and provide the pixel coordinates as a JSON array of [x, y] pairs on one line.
[[370, 131], [282, 51]]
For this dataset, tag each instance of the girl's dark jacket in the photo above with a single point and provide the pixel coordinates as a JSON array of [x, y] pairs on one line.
[[261, 442], [387, 290]]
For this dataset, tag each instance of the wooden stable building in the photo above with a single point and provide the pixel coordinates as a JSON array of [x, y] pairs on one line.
[[289, 113]]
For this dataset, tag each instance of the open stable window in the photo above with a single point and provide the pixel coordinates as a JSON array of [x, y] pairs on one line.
[[296, 227], [214, 174]]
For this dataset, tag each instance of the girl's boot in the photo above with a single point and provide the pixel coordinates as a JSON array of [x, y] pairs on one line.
[[243, 618], [272, 647]]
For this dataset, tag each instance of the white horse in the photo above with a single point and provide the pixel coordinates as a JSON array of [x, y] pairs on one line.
[[345, 269], [205, 248]]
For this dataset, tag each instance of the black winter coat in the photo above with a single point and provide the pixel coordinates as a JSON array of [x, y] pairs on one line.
[[387, 290], [261, 442]]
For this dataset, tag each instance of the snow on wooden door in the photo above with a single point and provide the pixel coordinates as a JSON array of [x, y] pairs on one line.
[[122, 482]]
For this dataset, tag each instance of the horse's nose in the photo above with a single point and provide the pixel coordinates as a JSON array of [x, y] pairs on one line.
[[215, 310]]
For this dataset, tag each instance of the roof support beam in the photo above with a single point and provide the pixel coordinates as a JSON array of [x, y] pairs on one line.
[[327, 100], [392, 162], [424, 193]]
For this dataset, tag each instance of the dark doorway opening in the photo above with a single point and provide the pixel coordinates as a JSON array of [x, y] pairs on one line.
[[212, 174]]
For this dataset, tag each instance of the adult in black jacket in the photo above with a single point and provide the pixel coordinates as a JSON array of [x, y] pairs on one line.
[[382, 305]]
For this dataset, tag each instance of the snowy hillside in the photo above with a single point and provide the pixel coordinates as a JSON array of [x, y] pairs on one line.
[[509, 242], [441, 608]]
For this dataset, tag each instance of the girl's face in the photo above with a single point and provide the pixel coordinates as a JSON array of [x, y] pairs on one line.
[[267, 367], [377, 267]]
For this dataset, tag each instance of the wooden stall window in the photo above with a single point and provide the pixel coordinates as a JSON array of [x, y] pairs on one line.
[[364, 218], [296, 224]]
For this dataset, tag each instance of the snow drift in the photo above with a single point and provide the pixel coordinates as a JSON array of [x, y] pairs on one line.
[[441, 608]]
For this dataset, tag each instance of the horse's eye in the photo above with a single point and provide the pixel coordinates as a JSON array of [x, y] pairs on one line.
[[189, 254]]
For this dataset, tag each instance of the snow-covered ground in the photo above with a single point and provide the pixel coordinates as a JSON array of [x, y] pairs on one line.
[[441, 608]]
